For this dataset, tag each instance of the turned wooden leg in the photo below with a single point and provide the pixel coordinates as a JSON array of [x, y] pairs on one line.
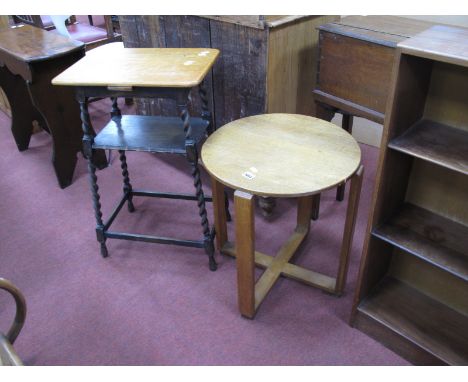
[[220, 216], [350, 223], [88, 151], [346, 124], [192, 157], [245, 252], [127, 188]]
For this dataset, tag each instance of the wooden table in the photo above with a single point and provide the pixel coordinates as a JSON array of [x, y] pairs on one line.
[[266, 65], [29, 58], [279, 155], [167, 73]]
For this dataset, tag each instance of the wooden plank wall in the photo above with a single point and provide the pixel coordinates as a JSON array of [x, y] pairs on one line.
[[240, 87], [168, 31], [260, 69]]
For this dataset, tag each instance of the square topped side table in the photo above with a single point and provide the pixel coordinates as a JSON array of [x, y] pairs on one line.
[[146, 73]]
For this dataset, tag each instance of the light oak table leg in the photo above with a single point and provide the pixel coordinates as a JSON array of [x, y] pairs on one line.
[[346, 124], [220, 216], [350, 224], [251, 294], [245, 252], [305, 209]]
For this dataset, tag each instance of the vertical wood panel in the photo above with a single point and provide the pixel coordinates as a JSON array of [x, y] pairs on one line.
[[187, 32], [239, 79], [292, 65], [439, 190], [435, 283], [448, 95], [240, 73]]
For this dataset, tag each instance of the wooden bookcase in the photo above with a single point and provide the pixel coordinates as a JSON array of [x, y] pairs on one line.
[[412, 292]]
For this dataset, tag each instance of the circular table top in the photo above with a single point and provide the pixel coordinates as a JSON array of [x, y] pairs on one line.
[[281, 155]]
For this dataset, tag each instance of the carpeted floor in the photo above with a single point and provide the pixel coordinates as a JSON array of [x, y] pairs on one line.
[[150, 304]]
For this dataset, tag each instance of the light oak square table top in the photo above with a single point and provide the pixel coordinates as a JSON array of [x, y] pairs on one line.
[[112, 65]]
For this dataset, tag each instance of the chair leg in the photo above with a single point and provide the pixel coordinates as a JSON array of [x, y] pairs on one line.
[[127, 189]]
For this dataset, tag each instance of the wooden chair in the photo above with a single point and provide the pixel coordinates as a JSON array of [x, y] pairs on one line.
[[89, 34], [8, 356], [43, 21]]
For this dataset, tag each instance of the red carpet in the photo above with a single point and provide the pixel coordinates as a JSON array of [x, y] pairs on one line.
[[150, 304]]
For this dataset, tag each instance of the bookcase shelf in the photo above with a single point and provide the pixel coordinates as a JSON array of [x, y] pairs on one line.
[[430, 237], [421, 320], [412, 290], [435, 142]]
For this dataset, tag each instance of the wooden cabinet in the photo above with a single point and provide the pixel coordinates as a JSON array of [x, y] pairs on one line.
[[356, 61], [412, 292], [267, 63]]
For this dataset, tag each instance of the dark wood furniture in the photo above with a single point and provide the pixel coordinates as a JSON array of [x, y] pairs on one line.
[[173, 75], [40, 21], [89, 34], [412, 292], [355, 65], [267, 63], [356, 61], [92, 35], [8, 356], [287, 155], [29, 58]]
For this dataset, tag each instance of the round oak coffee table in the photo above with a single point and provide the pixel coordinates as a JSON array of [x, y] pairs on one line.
[[279, 155]]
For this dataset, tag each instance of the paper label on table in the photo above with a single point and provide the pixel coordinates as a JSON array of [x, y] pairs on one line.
[[248, 175]]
